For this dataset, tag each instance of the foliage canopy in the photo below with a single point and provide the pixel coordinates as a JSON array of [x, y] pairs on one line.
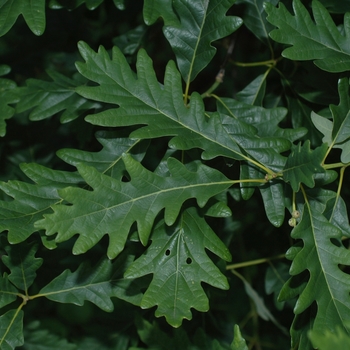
[[149, 155]]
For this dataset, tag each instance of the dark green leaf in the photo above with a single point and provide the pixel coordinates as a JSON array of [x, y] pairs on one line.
[[320, 41], [302, 165], [32, 11], [31, 200], [254, 93], [22, 263], [153, 9], [131, 41], [254, 18], [42, 339], [50, 98], [8, 293], [273, 197], [109, 160], [113, 206], [11, 330], [144, 101], [179, 264], [327, 284], [8, 95], [97, 284], [201, 22]]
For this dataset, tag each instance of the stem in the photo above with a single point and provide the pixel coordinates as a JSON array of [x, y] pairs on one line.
[[218, 80], [253, 262], [335, 165], [270, 63]]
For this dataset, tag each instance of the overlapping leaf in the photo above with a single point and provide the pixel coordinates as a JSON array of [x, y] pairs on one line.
[[8, 95], [179, 264], [32, 11], [320, 41], [42, 339], [303, 164], [109, 160], [113, 206], [48, 98], [254, 18], [131, 41], [30, 201], [11, 330], [327, 284], [90, 4], [273, 197], [328, 340], [96, 284], [8, 293], [201, 22], [254, 93], [153, 9], [266, 121], [22, 263], [155, 338], [337, 132], [144, 101]]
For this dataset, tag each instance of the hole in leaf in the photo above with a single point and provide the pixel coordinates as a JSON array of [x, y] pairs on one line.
[[344, 268], [188, 261], [167, 252], [336, 242]]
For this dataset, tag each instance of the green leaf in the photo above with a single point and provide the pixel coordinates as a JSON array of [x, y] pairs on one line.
[[42, 339], [179, 264], [97, 284], [336, 212], [113, 206], [302, 165], [201, 22], [300, 114], [259, 303], [153, 9], [337, 133], [90, 4], [8, 293], [130, 41], [273, 197], [238, 342], [144, 101], [31, 200], [341, 113], [254, 93], [8, 95], [254, 18], [276, 276], [109, 160], [328, 340], [22, 263], [336, 7], [322, 256], [323, 125], [32, 11], [50, 98], [11, 330], [320, 41], [265, 120], [155, 338]]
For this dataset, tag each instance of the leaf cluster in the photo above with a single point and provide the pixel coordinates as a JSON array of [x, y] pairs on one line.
[[142, 168]]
